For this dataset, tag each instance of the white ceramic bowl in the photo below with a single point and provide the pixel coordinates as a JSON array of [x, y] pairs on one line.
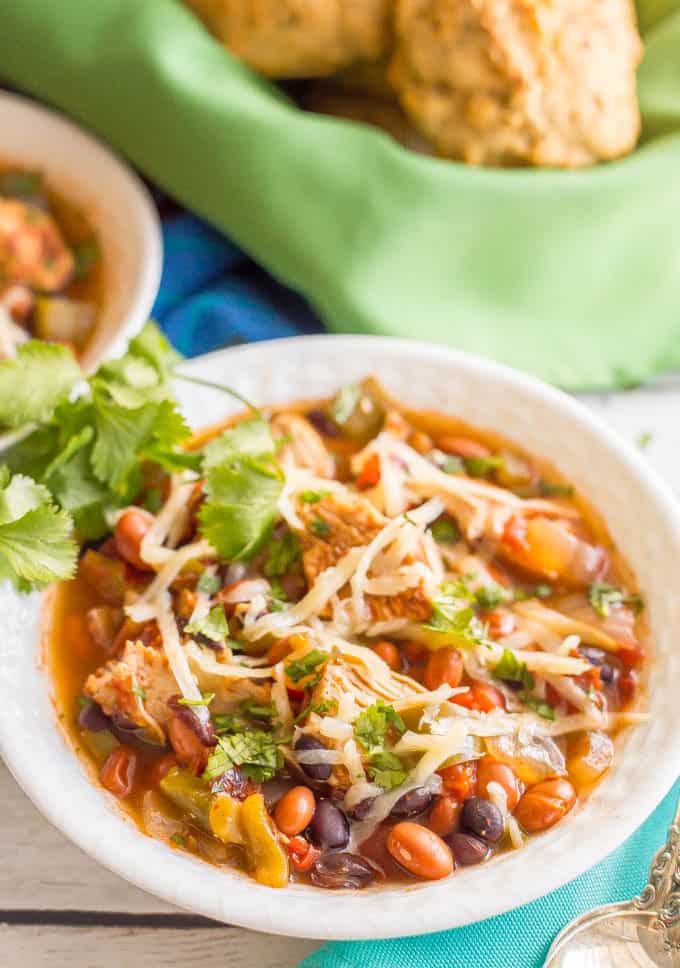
[[118, 206], [643, 520]]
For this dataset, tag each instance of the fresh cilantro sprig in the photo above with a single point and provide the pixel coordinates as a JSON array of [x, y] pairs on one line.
[[243, 482], [282, 554], [34, 383], [36, 543], [602, 596]]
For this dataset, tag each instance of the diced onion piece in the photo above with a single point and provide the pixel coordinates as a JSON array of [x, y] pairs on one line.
[[533, 760]]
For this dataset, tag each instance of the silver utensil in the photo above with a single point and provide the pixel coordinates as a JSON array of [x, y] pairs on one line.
[[642, 933]]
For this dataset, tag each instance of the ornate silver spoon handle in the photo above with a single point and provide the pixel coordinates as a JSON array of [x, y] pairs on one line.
[[662, 893]]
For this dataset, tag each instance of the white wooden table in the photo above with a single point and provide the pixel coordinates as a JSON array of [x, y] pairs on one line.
[[60, 909]]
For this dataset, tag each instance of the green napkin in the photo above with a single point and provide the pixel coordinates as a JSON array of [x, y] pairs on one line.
[[574, 276]]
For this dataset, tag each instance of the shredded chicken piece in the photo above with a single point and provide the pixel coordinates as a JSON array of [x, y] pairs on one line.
[[135, 688], [332, 527], [302, 444]]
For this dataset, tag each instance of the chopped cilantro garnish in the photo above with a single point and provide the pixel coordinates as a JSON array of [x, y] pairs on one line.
[[205, 700], [278, 600], [489, 596], [386, 769], [512, 670], [602, 596], [453, 615], [372, 726], [255, 752], [320, 528], [552, 489], [309, 664], [543, 591], [481, 466], [138, 691], [345, 403], [445, 530], [313, 497], [321, 708], [86, 254], [258, 710], [82, 701], [208, 584], [539, 706], [214, 626], [282, 553], [178, 840], [645, 439]]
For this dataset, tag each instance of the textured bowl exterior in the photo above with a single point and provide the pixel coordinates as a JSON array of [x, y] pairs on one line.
[[116, 203], [642, 517]]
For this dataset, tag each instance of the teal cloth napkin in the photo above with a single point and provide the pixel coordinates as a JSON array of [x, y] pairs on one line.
[[521, 938]]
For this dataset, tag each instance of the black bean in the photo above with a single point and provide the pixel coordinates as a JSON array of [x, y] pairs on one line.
[[362, 808], [337, 871], [467, 849], [482, 818], [598, 657], [317, 771], [412, 803], [93, 718], [323, 423], [329, 826]]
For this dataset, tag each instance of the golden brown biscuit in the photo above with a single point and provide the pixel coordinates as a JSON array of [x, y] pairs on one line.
[[299, 38], [540, 82]]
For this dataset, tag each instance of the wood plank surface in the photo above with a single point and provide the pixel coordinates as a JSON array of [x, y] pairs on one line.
[[55, 946]]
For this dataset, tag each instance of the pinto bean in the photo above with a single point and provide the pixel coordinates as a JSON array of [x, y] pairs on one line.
[[130, 531], [420, 851], [544, 804], [444, 667], [294, 811]]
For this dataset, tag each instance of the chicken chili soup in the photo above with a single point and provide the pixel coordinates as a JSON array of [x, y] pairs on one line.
[[360, 644], [50, 267]]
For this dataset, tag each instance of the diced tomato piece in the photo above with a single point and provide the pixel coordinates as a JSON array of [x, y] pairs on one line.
[[515, 533], [303, 855], [460, 780], [370, 473], [631, 655], [106, 576], [482, 696]]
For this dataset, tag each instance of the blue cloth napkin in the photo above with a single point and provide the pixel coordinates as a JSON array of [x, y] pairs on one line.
[[212, 296]]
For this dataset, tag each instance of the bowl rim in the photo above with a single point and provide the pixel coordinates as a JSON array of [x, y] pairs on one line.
[[285, 912], [142, 286]]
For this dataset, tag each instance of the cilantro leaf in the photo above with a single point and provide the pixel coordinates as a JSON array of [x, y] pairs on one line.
[[205, 700], [313, 497], [489, 596], [321, 708], [320, 527], [208, 584], [243, 483], [481, 466], [551, 489], [35, 382], [214, 626], [542, 708], [36, 546], [602, 596], [386, 770], [445, 530], [255, 752], [512, 670], [372, 726], [299, 669], [281, 554]]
